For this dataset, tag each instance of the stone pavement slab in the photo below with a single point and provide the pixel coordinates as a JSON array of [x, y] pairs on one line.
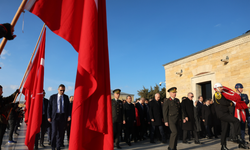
[[208, 144]]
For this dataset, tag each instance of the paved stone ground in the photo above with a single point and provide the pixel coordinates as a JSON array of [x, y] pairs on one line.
[[208, 144]]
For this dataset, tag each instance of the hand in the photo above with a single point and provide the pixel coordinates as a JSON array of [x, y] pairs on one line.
[[49, 119], [69, 118], [152, 120], [17, 91], [9, 35], [186, 118], [13, 104], [148, 122], [124, 122], [166, 123], [203, 120]]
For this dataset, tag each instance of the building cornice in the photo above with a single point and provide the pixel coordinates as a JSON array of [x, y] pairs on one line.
[[214, 49]]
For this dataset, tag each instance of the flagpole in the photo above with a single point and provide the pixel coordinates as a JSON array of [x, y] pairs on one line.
[[13, 23], [27, 69]]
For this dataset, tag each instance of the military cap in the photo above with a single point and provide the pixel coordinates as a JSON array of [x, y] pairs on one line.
[[117, 91], [172, 89]]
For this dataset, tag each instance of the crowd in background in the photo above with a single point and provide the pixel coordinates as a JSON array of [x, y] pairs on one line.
[[142, 119]]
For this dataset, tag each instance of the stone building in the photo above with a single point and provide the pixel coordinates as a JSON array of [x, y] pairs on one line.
[[227, 63], [122, 95]]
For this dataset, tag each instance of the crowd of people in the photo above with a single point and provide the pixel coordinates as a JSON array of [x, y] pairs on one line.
[[56, 118], [10, 116], [171, 119], [165, 120]]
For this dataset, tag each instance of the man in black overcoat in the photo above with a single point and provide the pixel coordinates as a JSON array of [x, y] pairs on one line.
[[199, 105], [156, 118], [142, 110], [207, 118], [128, 118], [188, 118], [172, 116]]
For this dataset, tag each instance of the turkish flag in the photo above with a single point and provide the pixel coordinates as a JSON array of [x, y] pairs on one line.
[[83, 24], [240, 105], [33, 87]]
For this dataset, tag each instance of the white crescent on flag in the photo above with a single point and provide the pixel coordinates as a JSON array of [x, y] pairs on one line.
[[29, 4], [42, 61]]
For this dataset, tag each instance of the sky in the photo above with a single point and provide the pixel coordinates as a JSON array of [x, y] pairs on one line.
[[142, 36]]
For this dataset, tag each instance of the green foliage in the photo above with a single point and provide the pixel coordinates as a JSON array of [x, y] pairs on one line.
[[150, 93]]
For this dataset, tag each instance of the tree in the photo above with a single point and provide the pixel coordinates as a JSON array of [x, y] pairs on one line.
[[150, 94]]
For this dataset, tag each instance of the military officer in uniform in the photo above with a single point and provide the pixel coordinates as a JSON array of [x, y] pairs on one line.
[[117, 115], [222, 111], [171, 116], [244, 97]]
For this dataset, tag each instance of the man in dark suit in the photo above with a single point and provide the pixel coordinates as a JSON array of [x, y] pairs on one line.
[[142, 110], [44, 123], [199, 105], [188, 118], [156, 117], [222, 111], [69, 122], [117, 116], [172, 116], [207, 117], [128, 118], [58, 114]]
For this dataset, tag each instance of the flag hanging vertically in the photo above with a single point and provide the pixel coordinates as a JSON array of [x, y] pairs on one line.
[[33, 90], [83, 24]]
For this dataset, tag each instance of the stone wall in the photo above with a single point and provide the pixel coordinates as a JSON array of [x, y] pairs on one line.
[[206, 65]]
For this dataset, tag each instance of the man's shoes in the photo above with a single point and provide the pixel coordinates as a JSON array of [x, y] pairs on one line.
[[16, 133], [36, 148], [242, 146], [197, 142], [11, 142], [209, 137], [170, 148], [118, 146], [164, 141], [216, 137], [240, 140], [185, 142], [42, 145], [62, 145], [129, 144], [224, 147], [152, 142], [49, 143]]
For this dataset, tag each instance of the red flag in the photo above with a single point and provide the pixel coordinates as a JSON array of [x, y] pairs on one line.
[[29, 85], [34, 87], [83, 24], [240, 105]]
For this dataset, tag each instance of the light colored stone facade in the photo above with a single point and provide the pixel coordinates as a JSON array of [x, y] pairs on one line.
[[206, 66]]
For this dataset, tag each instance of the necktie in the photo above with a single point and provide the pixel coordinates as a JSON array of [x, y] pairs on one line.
[[60, 99]]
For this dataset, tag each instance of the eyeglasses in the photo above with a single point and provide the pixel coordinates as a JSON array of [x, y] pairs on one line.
[[62, 90], [192, 96]]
